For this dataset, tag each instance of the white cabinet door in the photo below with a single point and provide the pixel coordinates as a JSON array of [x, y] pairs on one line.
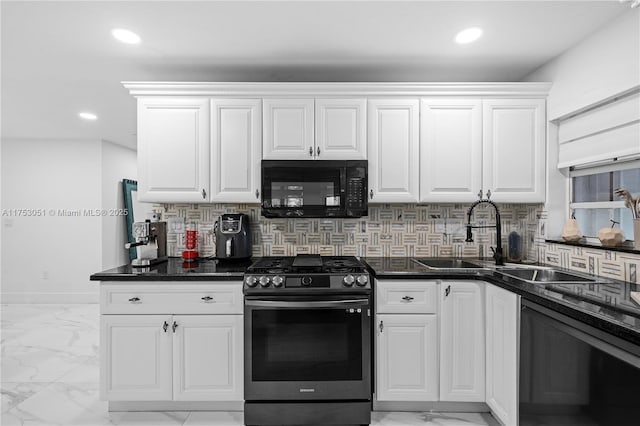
[[393, 150], [503, 309], [450, 149], [462, 341], [341, 129], [288, 129], [173, 149], [236, 150], [407, 357], [514, 149], [208, 358], [135, 358]]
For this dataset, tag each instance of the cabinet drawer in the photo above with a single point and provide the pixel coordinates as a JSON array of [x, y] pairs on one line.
[[406, 296], [171, 298]]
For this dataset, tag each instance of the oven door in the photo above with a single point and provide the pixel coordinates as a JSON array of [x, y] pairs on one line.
[[299, 348]]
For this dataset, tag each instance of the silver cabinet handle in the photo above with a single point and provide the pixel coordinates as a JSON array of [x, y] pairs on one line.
[[134, 300], [207, 299], [165, 326], [447, 291], [480, 194], [174, 326], [310, 151], [381, 326], [371, 194], [257, 194], [318, 151], [488, 194], [204, 194], [407, 298]]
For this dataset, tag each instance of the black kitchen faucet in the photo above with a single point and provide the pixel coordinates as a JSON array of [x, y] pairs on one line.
[[497, 252]]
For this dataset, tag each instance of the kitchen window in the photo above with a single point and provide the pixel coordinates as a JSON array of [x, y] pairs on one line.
[[594, 202]]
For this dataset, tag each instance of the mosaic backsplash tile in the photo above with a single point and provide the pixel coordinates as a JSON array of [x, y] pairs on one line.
[[399, 230], [607, 263], [389, 230]]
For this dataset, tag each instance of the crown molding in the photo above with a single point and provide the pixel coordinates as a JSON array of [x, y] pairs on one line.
[[298, 89]]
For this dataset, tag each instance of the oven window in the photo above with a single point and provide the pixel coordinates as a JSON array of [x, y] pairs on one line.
[[306, 345]]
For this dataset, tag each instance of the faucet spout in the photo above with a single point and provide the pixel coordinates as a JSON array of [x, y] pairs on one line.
[[497, 252]]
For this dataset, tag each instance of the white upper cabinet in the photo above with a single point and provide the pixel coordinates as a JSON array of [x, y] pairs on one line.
[[236, 128], [288, 129], [173, 149], [514, 149], [450, 149], [393, 150], [341, 129]]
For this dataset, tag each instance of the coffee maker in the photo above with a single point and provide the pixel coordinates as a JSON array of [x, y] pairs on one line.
[[233, 236], [150, 244]]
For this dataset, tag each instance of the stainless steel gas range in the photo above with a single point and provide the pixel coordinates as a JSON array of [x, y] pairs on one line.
[[307, 341]]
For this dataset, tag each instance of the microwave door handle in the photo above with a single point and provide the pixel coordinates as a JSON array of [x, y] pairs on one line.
[[307, 304]]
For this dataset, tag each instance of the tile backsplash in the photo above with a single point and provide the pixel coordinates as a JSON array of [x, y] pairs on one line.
[[388, 230]]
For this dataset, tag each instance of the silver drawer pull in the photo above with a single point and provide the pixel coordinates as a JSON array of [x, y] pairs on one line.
[[165, 326], [134, 300], [407, 298], [207, 299]]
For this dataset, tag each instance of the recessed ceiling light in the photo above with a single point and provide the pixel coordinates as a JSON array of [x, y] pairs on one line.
[[469, 35], [126, 36], [88, 116]]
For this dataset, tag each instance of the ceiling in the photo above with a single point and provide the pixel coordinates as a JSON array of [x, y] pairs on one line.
[[59, 58]]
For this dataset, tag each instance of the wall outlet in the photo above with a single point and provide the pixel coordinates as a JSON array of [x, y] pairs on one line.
[[175, 225]]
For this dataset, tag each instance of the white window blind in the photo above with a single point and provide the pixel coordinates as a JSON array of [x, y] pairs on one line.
[[607, 131]]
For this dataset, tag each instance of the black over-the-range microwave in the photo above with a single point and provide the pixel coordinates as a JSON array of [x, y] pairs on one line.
[[314, 188]]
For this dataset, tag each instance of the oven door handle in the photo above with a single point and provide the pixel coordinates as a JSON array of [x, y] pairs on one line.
[[307, 304]]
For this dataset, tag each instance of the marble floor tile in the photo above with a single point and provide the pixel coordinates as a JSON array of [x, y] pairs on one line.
[[50, 376], [209, 418], [431, 419]]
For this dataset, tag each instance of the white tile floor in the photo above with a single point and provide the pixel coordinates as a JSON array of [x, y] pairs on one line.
[[50, 376]]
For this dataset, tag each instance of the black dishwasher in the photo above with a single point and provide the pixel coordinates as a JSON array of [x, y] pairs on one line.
[[574, 374]]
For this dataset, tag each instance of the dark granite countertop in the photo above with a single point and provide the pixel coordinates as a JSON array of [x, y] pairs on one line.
[[174, 269], [607, 306]]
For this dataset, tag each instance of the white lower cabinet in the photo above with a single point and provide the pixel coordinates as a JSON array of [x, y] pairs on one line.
[[462, 341], [146, 355], [406, 340], [135, 358], [503, 309], [172, 357], [208, 358], [407, 365]]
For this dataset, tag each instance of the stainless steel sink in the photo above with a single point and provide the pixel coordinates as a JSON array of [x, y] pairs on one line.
[[445, 263], [544, 275]]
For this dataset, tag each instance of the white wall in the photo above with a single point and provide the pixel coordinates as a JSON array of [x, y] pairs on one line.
[[48, 258], [117, 163], [601, 66]]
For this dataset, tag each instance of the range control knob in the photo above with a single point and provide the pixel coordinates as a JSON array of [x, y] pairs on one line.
[[264, 281], [362, 280], [306, 281], [277, 281], [251, 281], [348, 280]]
